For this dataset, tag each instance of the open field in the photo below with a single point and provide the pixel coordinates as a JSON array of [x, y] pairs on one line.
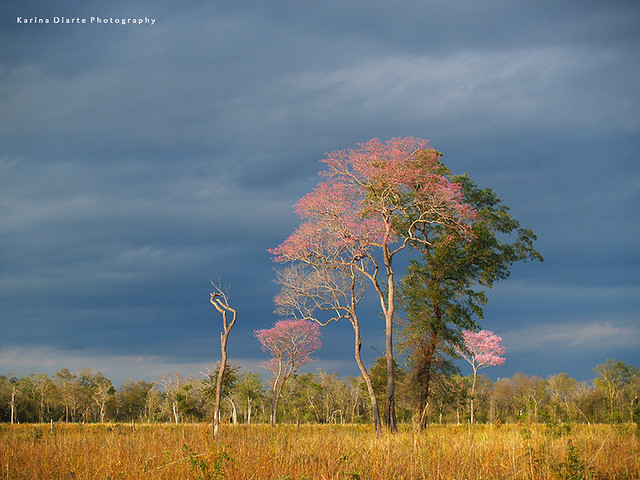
[[112, 451]]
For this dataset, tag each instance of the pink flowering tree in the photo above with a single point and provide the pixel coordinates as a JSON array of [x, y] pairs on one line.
[[481, 349], [374, 203], [290, 343]]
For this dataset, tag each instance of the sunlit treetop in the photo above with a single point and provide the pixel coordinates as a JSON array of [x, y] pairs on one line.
[[374, 195]]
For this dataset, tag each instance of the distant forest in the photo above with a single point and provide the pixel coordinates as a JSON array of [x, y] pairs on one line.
[[86, 396]]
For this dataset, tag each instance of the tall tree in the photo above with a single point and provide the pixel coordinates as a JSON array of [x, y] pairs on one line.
[[376, 199], [290, 344], [444, 290], [219, 300], [12, 390]]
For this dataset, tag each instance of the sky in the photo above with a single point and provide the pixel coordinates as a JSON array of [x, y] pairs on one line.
[[139, 161]]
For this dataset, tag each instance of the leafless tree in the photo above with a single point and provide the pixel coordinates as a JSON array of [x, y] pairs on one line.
[[220, 301]]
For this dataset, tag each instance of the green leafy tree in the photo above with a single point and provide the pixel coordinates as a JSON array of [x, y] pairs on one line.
[[615, 380], [42, 386], [101, 391], [444, 290], [250, 391], [69, 391], [562, 388], [379, 381], [131, 398], [227, 383]]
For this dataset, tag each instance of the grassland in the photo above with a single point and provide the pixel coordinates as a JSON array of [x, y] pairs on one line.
[[71, 451]]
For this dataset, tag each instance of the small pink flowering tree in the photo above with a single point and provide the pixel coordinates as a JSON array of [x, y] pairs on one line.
[[481, 349], [290, 343]]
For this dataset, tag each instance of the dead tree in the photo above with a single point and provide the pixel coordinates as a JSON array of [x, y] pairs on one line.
[[220, 301]]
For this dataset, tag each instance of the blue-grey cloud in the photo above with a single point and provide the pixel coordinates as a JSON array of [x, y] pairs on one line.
[[138, 162]]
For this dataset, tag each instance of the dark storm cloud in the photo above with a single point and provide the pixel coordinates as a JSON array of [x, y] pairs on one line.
[[138, 162]]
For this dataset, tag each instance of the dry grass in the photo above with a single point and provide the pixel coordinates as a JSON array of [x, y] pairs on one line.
[[317, 452]]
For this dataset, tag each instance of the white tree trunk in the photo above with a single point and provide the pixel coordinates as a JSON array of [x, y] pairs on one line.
[[234, 412], [175, 411], [13, 405]]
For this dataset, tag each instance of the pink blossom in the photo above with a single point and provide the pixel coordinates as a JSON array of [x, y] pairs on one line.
[[482, 349], [290, 343], [370, 186]]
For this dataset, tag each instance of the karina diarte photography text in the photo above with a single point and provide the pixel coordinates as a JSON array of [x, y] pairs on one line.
[[87, 20]]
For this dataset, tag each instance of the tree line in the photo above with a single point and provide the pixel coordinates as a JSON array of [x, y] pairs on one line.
[[87, 396]]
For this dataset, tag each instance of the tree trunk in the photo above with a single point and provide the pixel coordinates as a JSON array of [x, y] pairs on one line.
[[274, 405], [389, 312], [473, 394], [13, 404], [174, 407], [234, 411], [367, 380], [216, 405], [219, 301], [390, 413], [277, 389], [425, 375], [422, 422]]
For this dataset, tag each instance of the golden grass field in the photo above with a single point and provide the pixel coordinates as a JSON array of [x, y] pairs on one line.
[[185, 451]]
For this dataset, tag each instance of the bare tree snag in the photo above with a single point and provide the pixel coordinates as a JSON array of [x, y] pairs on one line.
[[220, 301]]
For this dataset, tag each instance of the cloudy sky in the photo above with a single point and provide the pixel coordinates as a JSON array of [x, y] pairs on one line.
[[139, 161]]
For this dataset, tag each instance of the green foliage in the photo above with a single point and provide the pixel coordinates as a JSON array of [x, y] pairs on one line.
[[321, 397], [557, 430], [378, 373], [217, 471], [620, 383], [196, 463], [132, 398], [229, 380], [444, 290], [573, 467]]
